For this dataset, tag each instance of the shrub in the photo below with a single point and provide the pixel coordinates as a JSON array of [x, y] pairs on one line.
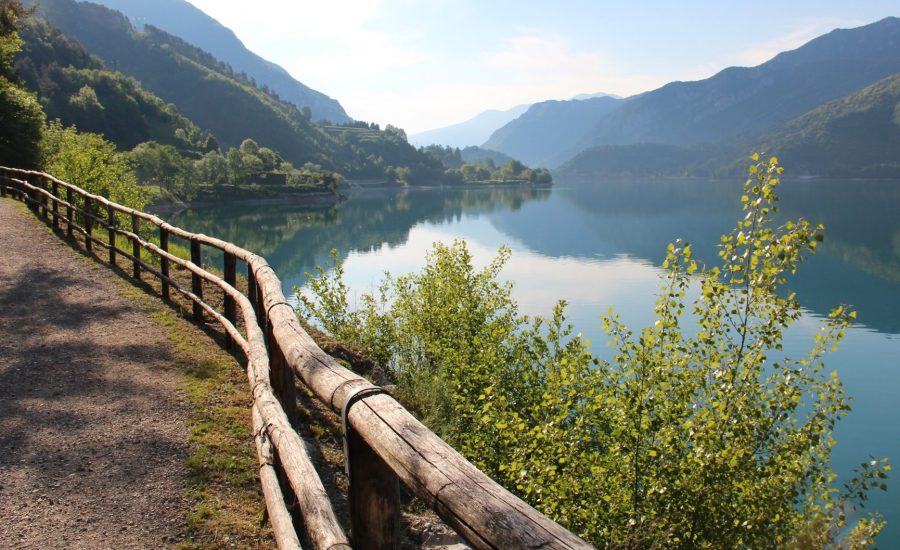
[[687, 437]]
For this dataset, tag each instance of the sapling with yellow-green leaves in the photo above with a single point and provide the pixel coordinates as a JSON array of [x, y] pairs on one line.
[[697, 432]]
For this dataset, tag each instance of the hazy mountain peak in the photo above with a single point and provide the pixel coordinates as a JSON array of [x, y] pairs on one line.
[[581, 97], [474, 131]]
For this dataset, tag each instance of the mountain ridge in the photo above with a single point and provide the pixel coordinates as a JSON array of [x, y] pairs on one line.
[[745, 101]]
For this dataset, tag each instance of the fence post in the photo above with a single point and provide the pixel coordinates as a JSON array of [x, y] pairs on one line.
[[88, 224], [111, 214], [282, 378], [282, 381], [136, 246], [45, 199], [55, 205], [230, 304], [70, 211], [196, 281], [42, 198], [374, 497], [252, 292], [163, 261], [32, 197]]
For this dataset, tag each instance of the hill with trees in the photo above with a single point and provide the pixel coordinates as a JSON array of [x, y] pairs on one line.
[[75, 87], [182, 19], [858, 135], [229, 105]]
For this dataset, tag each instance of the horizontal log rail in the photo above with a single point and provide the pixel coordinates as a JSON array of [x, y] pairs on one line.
[[384, 443]]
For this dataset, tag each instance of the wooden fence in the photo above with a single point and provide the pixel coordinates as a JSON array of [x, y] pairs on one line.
[[384, 444]]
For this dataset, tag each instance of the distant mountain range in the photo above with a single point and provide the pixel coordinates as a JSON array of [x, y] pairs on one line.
[[854, 136], [549, 129], [479, 129], [743, 102], [182, 19], [718, 119], [474, 131]]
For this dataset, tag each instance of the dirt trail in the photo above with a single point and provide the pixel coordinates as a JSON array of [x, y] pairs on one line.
[[93, 439]]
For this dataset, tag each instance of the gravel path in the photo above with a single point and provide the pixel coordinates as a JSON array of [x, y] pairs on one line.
[[93, 440]]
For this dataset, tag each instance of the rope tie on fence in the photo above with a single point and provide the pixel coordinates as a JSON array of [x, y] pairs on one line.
[[355, 395], [269, 309], [263, 435]]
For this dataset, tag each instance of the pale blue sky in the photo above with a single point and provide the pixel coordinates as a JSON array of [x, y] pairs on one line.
[[421, 65]]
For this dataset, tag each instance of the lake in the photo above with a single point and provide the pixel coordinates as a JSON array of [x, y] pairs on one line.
[[600, 245]]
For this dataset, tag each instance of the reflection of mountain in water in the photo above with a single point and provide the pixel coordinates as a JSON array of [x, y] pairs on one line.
[[859, 263], [294, 238]]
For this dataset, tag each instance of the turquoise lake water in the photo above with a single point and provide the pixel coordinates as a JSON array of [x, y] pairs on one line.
[[600, 245]]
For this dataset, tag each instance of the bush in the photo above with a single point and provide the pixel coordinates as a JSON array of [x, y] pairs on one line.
[[91, 163], [706, 437]]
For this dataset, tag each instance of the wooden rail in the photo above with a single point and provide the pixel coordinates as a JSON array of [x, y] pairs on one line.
[[384, 443]]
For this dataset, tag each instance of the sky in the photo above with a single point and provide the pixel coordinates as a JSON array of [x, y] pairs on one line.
[[423, 64]]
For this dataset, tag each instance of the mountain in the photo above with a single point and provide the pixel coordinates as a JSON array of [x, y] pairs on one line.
[[180, 18], [204, 89], [73, 86], [854, 136], [229, 105], [858, 135], [550, 129], [474, 131], [743, 102]]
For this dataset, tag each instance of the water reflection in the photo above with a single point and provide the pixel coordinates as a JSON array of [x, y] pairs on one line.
[[858, 264]]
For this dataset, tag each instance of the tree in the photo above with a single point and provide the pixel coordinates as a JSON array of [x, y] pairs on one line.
[[700, 437], [249, 147], [511, 170], [86, 100], [21, 116], [158, 164], [212, 169]]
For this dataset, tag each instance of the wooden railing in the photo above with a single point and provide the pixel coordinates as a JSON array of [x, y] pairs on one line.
[[384, 444]]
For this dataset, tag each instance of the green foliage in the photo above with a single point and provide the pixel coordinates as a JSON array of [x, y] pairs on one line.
[[248, 166], [697, 432], [21, 117], [92, 163]]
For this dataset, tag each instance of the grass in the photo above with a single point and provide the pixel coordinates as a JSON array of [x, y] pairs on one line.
[[228, 504]]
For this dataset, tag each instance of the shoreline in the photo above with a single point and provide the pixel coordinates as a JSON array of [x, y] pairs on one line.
[[326, 198]]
